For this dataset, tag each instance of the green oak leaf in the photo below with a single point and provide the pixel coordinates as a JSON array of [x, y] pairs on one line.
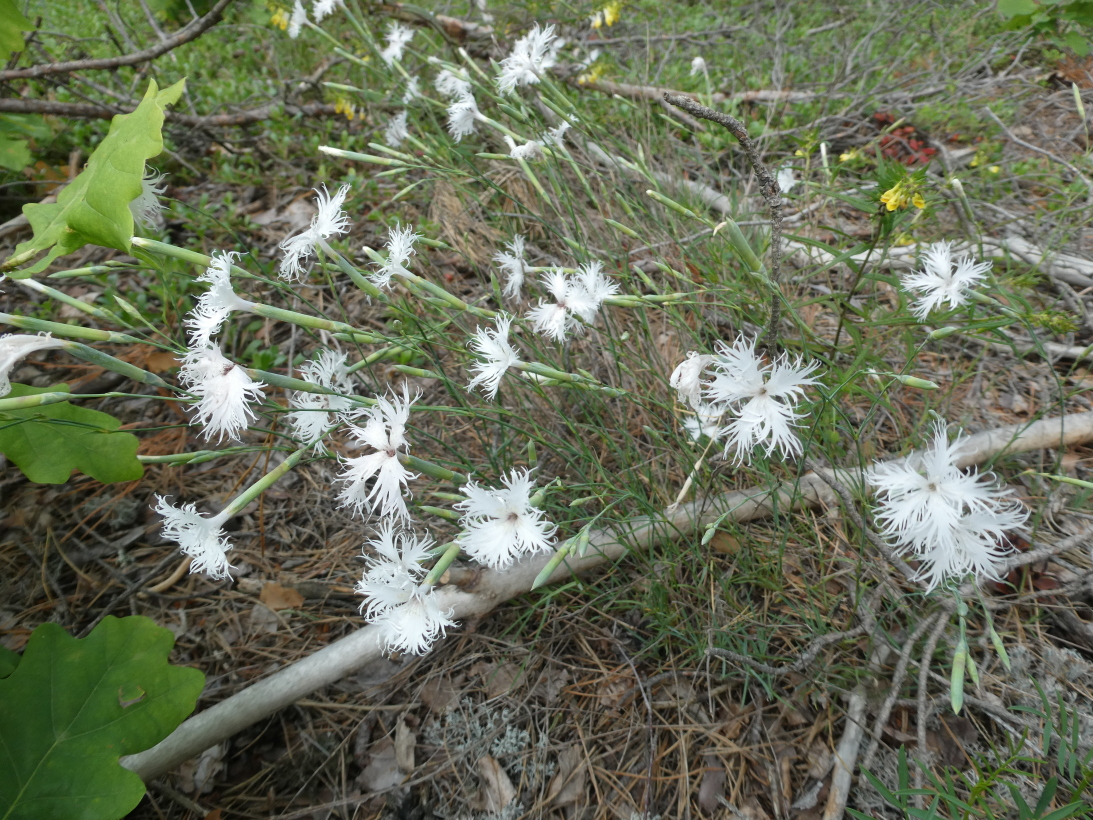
[[12, 26], [14, 154], [8, 661], [47, 443], [66, 718], [94, 207]]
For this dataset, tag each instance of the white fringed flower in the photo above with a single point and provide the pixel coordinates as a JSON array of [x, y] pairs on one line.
[[597, 286], [555, 136], [943, 279], [687, 378], [787, 179], [397, 37], [400, 247], [385, 433], [463, 116], [698, 66], [453, 85], [146, 209], [531, 149], [330, 221], [323, 8], [400, 552], [224, 392], [200, 537], [571, 300], [396, 131], [500, 525], [533, 54], [297, 20], [955, 522], [416, 624], [314, 414], [15, 347], [512, 265], [763, 397], [497, 356], [217, 303], [412, 90], [706, 421]]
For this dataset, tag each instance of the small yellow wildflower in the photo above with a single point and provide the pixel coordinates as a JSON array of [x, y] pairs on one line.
[[895, 197], [905, 239], [280, 19], [342, 106], [799, 153], [918, 201], [994, 169], [851, 155], [591, 76], [608, 15]]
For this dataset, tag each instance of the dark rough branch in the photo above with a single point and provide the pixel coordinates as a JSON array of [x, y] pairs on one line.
[[189, 32], [768, 188]]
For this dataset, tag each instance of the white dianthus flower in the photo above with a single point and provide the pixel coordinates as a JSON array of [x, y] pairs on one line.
[[555, 136], [533, 54], [330, 221], [224, 392], [414, 625], [512, 265], [531, 149], [955, 522], [597, 285], [943, 279], [399, 552], [397, 38], [400, 247], [453, 85], [412, 90], [463, 117], [497, 355], [314, 414], [217, 303], [385, 433], [698, 66], [706, 421], [687, 377], [322, 8], [501, 525], [297, 21], [763, 397], [786, 179], [146, 209], [396, 131], [14, 347], [200, 537], [571, 300]]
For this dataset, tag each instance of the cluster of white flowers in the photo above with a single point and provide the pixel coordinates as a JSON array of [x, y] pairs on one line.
[[329, 221], [943, 279], [217, 303], [954, 522], [576, 297], [761, 398]]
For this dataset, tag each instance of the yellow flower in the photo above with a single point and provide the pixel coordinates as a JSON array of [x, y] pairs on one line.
[[591, 76], [612, 12], [994, 169], [798, 153], [918, 201], [895, 197], [280, 19], [342, 106], [852, 154], [905, 239]]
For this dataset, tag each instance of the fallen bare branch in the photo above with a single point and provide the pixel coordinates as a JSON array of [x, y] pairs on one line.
[[493, 588], [90, 112], [655, 93], [189, 32]]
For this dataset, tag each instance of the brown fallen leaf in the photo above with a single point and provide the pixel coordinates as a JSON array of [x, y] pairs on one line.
[[820, 759], [277, 597], [496, 790], [712, 787], [439, 694], [405, 740], [567, 785], [382, 771]]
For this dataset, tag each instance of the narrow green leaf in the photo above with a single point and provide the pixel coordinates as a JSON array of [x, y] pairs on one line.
[[47, 443]]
